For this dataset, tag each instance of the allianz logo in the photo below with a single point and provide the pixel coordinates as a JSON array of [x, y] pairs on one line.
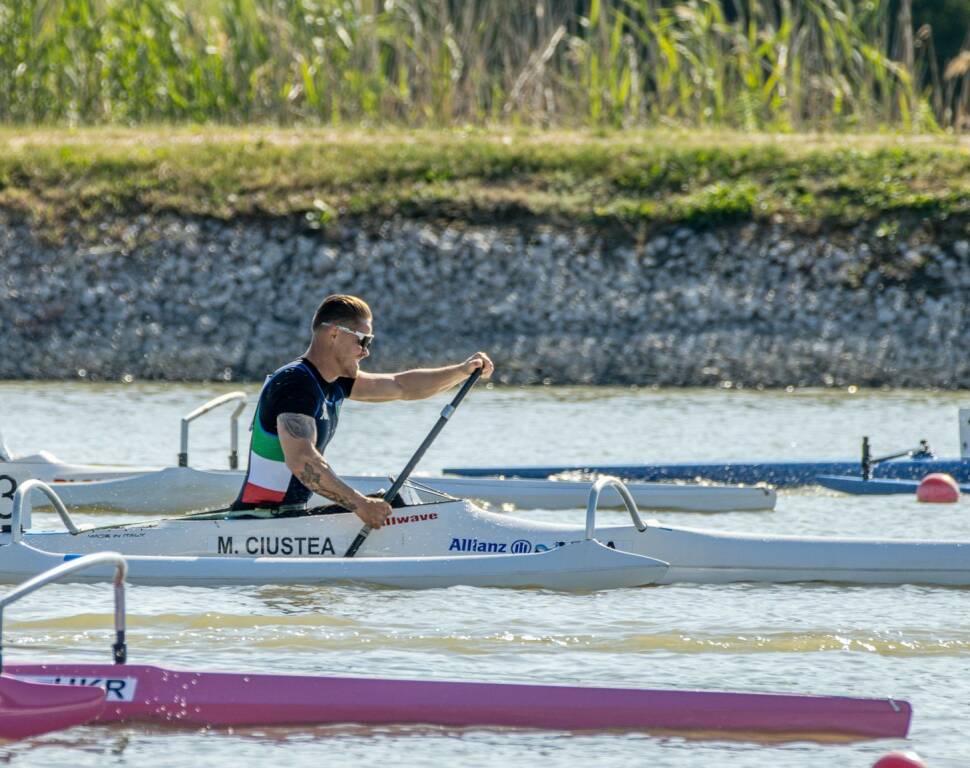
[[517, 547]]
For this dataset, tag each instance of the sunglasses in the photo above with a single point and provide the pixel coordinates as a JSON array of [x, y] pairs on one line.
[[364, 339]]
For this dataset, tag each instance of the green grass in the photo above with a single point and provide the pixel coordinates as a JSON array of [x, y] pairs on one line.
[[788, 66], [609, 180]]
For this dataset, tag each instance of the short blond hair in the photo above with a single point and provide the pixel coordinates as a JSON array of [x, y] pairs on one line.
[[340, 308]]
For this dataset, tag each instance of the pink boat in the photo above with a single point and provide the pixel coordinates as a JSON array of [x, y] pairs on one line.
[[153, 694]]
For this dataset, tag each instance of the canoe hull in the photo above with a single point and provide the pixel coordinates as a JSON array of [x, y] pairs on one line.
[[153, 694], [580, 566]]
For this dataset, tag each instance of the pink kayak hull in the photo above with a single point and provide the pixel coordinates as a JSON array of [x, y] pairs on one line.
[[153, 694], [29, 709]]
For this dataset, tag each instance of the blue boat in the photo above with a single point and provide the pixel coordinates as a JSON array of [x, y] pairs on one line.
[[781, 474], [911, 464], [872, 487]]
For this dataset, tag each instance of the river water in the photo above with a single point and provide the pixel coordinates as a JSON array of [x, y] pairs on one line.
[[908, 642]]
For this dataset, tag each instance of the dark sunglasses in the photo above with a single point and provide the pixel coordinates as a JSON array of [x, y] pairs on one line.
[[364, 339]]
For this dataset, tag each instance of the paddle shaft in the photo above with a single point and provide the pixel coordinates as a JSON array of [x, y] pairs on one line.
[[395, 488]]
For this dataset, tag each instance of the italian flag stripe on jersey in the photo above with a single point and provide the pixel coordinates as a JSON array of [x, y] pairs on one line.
[[268, 477]]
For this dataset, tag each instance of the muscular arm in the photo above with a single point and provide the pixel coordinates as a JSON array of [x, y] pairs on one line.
[[416, 384], [407, 385], [298, 436]]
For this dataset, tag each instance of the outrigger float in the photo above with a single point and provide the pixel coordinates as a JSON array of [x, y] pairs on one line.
[[857, 486], [911, 464], [450, 541], [121, 691], [183, 489]]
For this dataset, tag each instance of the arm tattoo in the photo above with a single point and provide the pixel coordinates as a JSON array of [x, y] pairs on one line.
[[312, 478], [299, 425]]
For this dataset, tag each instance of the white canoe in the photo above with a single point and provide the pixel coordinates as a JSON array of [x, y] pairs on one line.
[[177, 490], [453, 529], [585, 565]]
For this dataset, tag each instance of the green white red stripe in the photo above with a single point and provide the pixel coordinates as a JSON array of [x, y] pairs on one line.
[[268, 476]]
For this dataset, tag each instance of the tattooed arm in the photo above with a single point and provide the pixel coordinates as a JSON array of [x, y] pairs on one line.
[[298, 435]]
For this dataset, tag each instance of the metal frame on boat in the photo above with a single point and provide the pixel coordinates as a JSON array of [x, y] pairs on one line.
[[453, 542], [143, 693]]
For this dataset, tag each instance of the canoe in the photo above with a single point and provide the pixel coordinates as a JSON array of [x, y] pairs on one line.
[[873, 487], [580, 566], [178, 490], [424, 544], [145, 693], [151, 694], [781, 474]]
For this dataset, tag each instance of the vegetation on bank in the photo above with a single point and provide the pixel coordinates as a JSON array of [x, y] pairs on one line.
[[744, 64], [615, 179]]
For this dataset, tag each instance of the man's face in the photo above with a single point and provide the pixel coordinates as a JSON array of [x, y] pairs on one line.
[[346, 346]]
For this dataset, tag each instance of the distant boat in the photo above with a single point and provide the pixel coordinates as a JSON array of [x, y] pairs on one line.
[[913, 464]]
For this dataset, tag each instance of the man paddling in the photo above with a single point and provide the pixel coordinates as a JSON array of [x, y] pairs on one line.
[[299, 405]]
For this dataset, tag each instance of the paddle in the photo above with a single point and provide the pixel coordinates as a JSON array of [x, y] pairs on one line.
[[446, 413]]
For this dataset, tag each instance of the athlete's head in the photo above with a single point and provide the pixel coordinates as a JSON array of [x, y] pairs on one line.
[[343, 325]]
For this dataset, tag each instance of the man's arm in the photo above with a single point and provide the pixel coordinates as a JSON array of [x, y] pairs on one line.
[[419, 383], [298, 434]]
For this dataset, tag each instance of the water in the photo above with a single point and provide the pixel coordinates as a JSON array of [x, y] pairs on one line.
[[910, 642]]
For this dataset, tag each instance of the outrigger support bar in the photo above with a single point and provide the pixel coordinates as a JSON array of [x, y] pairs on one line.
[[869, 463], [119, 650], [593, 501], [236, 396]]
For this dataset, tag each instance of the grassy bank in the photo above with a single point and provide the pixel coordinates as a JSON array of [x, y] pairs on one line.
[[619, 179]]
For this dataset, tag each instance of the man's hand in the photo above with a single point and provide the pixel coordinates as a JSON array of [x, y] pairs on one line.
[[476, 361], [372, 511]]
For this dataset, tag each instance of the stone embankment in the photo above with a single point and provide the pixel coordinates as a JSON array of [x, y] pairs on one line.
[[177, 298]]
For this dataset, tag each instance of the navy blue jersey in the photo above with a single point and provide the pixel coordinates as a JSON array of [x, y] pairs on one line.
[[297, 387]]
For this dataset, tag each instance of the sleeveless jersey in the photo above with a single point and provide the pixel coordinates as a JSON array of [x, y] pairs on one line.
[[297, 387]]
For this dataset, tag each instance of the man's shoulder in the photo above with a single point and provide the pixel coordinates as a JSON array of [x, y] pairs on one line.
[[294, 372], [290, 379], [289, 369]]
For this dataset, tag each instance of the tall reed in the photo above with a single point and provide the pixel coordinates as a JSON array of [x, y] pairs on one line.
[[784, 65]]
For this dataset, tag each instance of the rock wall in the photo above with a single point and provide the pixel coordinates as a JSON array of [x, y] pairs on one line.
[[178, 298]]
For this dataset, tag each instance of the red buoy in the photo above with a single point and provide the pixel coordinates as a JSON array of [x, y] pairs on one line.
[[938, 488], [900, 760]]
